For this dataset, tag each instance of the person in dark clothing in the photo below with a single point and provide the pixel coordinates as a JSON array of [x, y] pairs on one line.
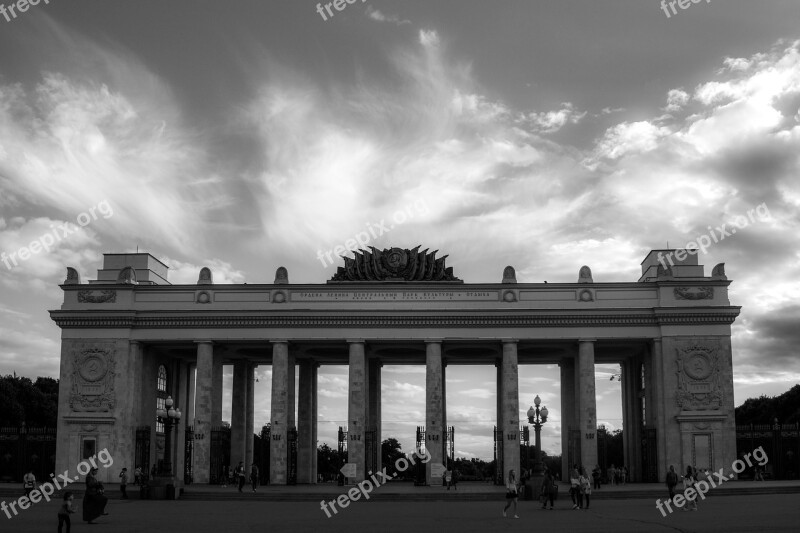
[[548, 489], [240, 475], [254, 476], [596, 473], [672, 481], [64, 512], [94, 502], [123, 483]]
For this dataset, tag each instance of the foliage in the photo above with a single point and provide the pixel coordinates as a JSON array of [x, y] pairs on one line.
[[765, 409], [23, 400]]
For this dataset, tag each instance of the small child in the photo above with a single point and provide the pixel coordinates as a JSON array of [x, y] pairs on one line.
[[65, 511], [123, 483]]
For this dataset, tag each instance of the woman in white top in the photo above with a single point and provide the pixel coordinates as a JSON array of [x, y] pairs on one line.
[[511, 492]]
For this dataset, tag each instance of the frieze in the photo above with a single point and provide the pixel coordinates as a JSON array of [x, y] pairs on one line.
[[698, 371], [93, 380], [694, 293], [97, 297]]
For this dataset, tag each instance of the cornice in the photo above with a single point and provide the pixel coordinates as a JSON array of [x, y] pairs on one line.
[[465, 319]]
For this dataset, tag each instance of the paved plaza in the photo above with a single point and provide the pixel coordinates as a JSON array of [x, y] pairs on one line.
[[723, 513]]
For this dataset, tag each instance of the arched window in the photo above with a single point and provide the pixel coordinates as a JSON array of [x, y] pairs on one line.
[[161, 396]]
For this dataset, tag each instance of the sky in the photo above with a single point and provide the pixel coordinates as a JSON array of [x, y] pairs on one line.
[[246, 135]]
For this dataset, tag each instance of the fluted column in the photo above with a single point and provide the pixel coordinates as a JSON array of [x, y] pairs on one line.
[[357, 408], [203, 414], [434, 407], [568, 409], [587, 418], [510, 408], [282, 411]]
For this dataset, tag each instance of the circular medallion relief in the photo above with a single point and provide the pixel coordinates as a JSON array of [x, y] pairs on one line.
[[93, 368], [396, 259], [698, 366]]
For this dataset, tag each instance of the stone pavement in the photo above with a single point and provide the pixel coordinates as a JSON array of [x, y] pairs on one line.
[[760, 513]]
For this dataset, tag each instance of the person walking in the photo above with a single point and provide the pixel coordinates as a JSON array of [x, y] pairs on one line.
[[254, 476], [123, 483], [672, 481], [612, 475], [64, 512], [448, 478], [596, 473], [454, 479], [94, 501], [240, 475], [548, 489], [689, 480], [28, 483], [586, 488], [137, 476], [512, 492], [574, 486]]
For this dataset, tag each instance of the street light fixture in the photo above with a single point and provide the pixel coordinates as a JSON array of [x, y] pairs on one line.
[[170, 416], [537, 417]]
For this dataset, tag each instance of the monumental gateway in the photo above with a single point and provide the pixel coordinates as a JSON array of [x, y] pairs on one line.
[[130, 340]]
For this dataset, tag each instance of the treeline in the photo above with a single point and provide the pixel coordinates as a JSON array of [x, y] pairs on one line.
[[33, 402], [765, 409]]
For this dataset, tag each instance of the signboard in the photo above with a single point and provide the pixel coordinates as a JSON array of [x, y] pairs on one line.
[[437, 470], [394, 296], [349, 470]]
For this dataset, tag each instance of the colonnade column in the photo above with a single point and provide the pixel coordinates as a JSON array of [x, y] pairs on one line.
[[203, 411], [568, 404], [250, 420], [190, 393], [658, 408], [282, 418], [307, 423], [627, 413], [239, 414], [357, 408], [216, 393], [374, 408], [509, 404], [178, 456], [587, 399], [434, 408]]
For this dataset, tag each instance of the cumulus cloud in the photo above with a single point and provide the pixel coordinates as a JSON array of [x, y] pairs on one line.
[[378, 16]]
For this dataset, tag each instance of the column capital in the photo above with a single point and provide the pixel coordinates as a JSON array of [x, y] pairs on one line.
[[135, 342], [434, 341], [587, 340], [279, 341], [204, 341], [355, 341], [657, 339], [509, 341]]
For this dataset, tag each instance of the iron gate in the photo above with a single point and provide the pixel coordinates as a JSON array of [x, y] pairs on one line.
[[291, 460], [450, 436], [649, 455], [420, 473], [780, 442], [220, 454], [142, 458], [370, 451], [499, 477], [188, 456], [261, 453], [525, 442], [342, 454], [24, 449]]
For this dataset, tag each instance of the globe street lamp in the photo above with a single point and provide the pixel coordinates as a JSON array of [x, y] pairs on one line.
[[170, 416], [537, 417]]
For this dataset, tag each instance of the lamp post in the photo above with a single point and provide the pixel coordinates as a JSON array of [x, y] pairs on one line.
[[537, 417], [170, 416]]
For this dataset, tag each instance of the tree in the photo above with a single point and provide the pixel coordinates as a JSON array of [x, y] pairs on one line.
[[765, 409], [329, 461], [391, 451], [34, 403]]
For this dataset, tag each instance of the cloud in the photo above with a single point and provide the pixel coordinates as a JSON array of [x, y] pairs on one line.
[[553, 121], [378, 16]]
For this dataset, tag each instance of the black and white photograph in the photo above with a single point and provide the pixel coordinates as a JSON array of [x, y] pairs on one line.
[[399, 266]]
